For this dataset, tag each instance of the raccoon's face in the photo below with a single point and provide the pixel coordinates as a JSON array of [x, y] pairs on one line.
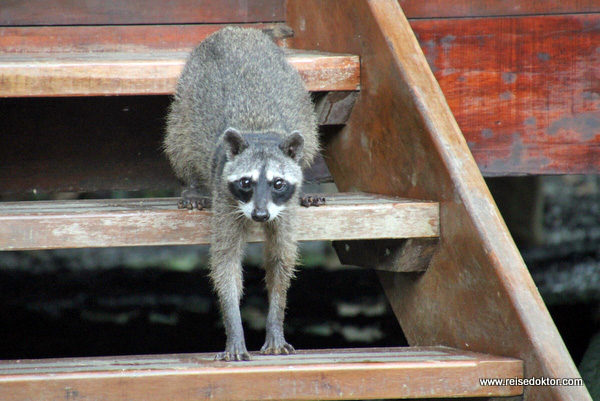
[[263, 173]]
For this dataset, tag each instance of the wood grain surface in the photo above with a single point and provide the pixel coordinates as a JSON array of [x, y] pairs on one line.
[[524, 91], [102, 12], [110, 38], [402, 139], [142, 222], [143, 73], [494, 8], [367, 373]]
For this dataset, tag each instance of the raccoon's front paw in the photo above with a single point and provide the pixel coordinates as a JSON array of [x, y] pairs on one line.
[[192, 198], [194, 203], [277, 348], [233, 354], [308, 201]]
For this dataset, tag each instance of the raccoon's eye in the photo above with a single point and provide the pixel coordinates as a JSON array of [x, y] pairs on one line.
[[245, 183], [279, 184]]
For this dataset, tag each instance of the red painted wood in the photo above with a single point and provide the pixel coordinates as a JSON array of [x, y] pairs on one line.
[[525, 91], [118, 38], [102, 12], [494, 8]]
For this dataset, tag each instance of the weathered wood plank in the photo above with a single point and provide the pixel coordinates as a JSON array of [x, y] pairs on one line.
[[113, 38], [402, 139], [102, 12], [394, 255], [140, 222], [366, 373], [525, 91], [494, 8], [98, 12], [93, 74]]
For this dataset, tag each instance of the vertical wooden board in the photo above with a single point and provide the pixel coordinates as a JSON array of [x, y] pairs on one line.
[[402, 139], [525, 91], [110, 12], [494, 8]]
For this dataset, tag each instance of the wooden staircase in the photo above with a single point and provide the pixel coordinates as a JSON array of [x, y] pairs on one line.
[[472, 312]]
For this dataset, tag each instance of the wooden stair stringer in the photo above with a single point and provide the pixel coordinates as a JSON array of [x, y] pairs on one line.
[[477, 293]]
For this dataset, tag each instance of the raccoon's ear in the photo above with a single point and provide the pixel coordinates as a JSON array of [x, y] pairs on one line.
[[293, 145], [236, 144]]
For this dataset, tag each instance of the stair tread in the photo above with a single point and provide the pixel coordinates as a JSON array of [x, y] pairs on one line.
[[144, 72], [157, 221], [403, 372]]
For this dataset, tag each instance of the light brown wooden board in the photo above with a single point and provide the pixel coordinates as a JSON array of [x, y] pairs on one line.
[[525, 91], [367, 373], [141, 222], [402, 139], [143, 73]]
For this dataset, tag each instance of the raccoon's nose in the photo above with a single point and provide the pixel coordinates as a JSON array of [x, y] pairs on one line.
[[260, 215]]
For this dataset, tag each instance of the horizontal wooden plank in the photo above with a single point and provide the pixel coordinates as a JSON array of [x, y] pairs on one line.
[[102, 12], [525, 91], [141, 222], [494, 8], [98, 12], [113, 38], [92, 74], [368, 373]]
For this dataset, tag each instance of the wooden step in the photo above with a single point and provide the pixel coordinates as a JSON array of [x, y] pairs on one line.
[[431, 372], [147, 72], [158, 221]]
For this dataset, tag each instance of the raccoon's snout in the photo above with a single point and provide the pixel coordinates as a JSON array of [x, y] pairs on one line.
[[260, 215]]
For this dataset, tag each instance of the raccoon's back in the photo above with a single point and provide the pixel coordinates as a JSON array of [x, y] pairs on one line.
[[235, 78]]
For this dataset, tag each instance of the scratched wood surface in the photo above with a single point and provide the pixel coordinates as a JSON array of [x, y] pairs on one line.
[[102, 12], [141, 222], [524, 91], [113, 38], [494, 8], [98, 12], [402, 139], [144, 73], [367, 373]]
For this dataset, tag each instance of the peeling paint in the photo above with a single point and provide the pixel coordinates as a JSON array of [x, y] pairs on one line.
[[508, 95], [487, 133], [431, 54], [543, 56], [446, 41], [589, 95], [531, 121], [585, 124], [509, 77]]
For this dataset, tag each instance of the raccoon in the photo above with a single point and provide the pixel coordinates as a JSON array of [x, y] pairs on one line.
[[242, 125]]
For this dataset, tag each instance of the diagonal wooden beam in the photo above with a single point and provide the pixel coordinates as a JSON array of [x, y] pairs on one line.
[[402, 139]]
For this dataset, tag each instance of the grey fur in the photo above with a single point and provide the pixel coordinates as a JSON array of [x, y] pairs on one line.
[[241, 108]]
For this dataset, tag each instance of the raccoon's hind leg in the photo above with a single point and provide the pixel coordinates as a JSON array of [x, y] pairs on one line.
[[192, 198], [226, 253], [281, 252]]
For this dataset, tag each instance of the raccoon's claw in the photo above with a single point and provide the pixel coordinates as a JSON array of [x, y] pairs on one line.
[[194, 203], [308, 201], [236, 355], [271, 348]]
